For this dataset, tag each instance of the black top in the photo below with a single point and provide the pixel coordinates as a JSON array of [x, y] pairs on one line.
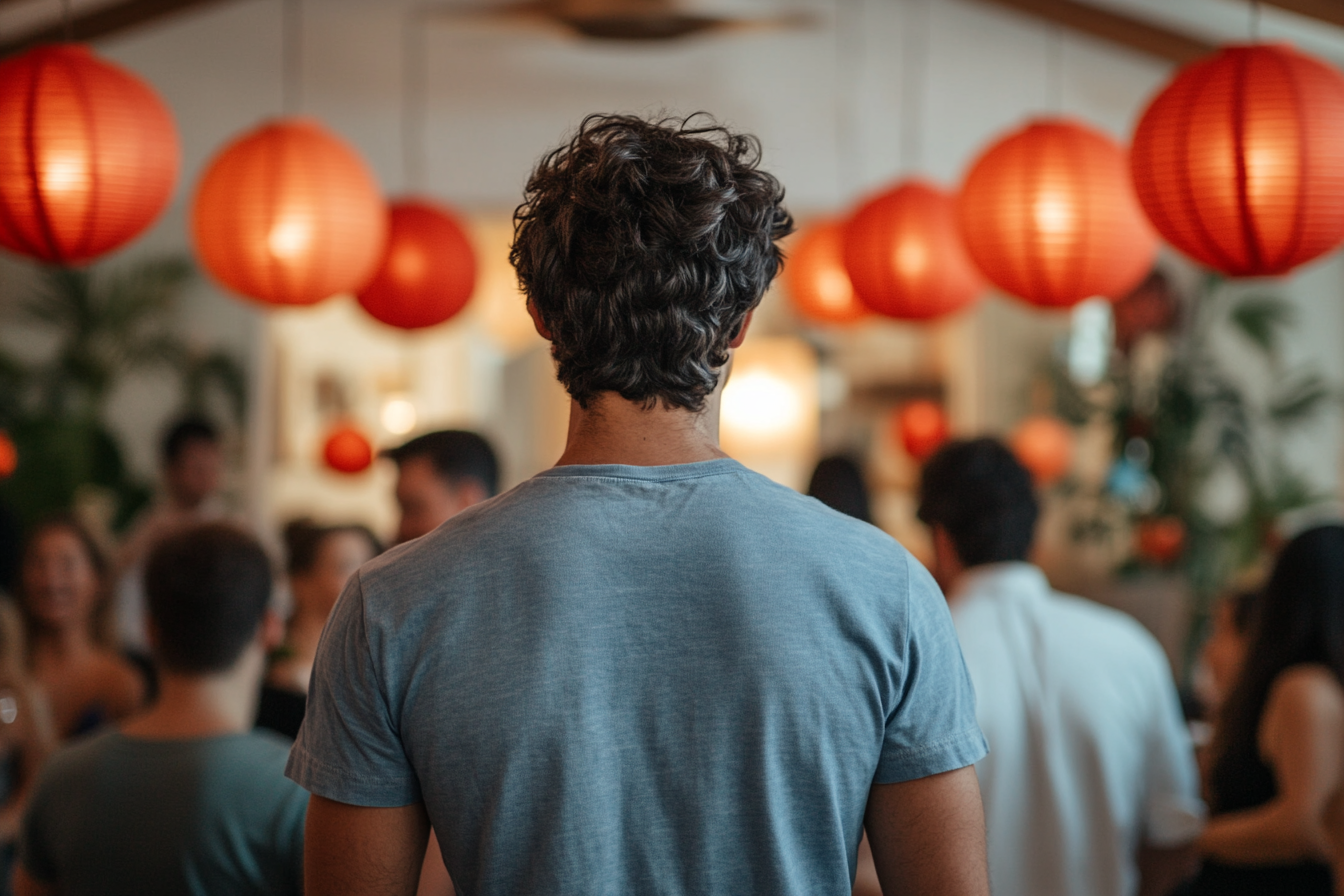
[[281, 710], [1243, 781]]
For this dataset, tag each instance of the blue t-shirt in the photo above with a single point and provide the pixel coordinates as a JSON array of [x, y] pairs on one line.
[[655, 680]]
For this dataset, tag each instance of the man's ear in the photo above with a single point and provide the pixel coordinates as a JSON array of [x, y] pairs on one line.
[[537, 322], [742, 330], [271, 632]]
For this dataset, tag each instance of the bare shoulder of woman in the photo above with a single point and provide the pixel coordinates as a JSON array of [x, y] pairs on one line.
[[1306, 700], [123, 685]]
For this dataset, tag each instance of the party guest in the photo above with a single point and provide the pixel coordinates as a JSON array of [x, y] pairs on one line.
[[1277, 780], [185, 798], [647, 669], [1090, 786], [63, 600], [193, 468], [439, 475], [320, 559], [27, 736]]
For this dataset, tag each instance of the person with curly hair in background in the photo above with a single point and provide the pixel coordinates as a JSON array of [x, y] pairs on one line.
[[646, 669]]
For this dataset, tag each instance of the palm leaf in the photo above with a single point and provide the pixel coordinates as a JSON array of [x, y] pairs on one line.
[[1261, 320], [1300, 400]]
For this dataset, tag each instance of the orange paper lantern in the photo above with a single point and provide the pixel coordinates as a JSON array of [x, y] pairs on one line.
[[347, 449], [1239, 161], [1049, 215], [905, 256], [288, 214], [921, 427], [9, 456], [428, 269], [1044, 445], [1160, 540], [816, 279], [88, 155]]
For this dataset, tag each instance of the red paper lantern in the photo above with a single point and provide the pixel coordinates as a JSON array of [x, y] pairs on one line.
[[1160, 540], [9, 456], [347, 449], [816, 279], [88, 155], [288, 214], [905, 256], [921, 427], [1049, 215], [1044, 445], [428, 269], [1239, 161]]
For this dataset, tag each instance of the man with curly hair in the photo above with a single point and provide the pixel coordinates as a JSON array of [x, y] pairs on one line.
[[646, 670]]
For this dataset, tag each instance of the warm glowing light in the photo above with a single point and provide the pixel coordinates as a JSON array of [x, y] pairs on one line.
[[1044, 445], [9, 455], [398, 415], [1054, 215], [815, 276], [290, 238], [761, 404], [912, 257], [64, 173]]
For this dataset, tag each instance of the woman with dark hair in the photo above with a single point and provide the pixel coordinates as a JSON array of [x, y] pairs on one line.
[[1276, 783], [320, 559], [64, 602]]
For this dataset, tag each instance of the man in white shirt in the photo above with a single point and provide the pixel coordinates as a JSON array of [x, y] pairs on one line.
[[1090, 786]]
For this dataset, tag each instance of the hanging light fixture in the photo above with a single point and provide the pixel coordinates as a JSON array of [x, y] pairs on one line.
[[905, 256], [815, 277], [921, 428], [1044, 445], [1239, 161], [347, 450], [1049, 215], [89, 155], [9, 456], [288, 214], [428, 269]]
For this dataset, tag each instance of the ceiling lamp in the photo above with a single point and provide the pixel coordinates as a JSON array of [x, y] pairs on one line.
[[905, 256], [1239, 161], [288, 214], [9, 455], [816, 279], [347, 450], [428, 269], [921, 427], [1044, 445], [88, 155], [1049, 215]]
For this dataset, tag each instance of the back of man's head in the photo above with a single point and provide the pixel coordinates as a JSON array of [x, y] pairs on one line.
[[983, 497], [208, 589], [182, 433], [455, 454], [642, 246]]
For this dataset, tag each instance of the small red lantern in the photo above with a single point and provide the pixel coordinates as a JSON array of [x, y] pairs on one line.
[[921, 427], [1239, 161], [1044, 445], [428, 270], [288, 214], [88, 155], [905, 256], [816, 279], [347, 449], [1049, 215], [1160, 540], [9, 456]]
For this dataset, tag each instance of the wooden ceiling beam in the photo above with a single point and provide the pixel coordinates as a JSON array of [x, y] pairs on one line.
[[103, 21], [1137, 34], [1330, 11]]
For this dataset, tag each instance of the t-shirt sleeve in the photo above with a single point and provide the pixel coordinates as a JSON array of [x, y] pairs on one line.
[[932, 728], [348, 748], [1173, 813]]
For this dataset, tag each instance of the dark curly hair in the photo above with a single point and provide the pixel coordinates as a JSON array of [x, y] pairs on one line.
[[643, 245]]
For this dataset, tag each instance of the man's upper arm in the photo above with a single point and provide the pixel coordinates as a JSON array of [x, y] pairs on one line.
[[358, 849], [349, 748], [928, 835]]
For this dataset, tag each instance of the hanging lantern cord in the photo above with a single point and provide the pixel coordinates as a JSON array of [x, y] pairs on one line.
[[413, 100], [1054, 71], [848, 72], [1255, 21], [914, 72], [291, 97], [67, 26]]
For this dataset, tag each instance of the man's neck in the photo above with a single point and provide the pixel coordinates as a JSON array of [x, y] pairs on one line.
[[196, 706], [612, 430]]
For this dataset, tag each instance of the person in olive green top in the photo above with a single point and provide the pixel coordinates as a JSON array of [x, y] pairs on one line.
[[185, 798]]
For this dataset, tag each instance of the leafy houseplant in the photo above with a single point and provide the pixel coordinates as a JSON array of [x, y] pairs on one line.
[[1199, 472], [104, 325]]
